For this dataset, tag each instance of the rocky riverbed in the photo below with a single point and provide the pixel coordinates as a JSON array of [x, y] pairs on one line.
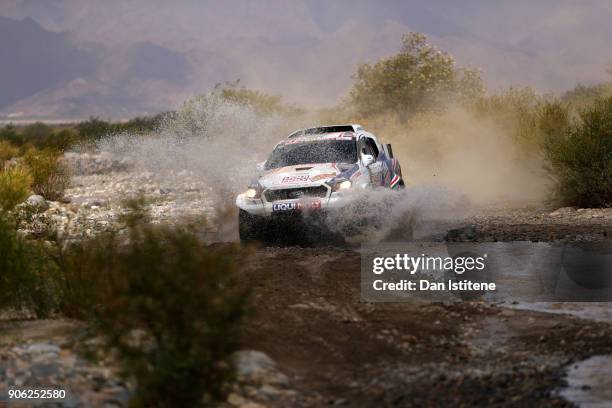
[[333, 349], [101, 186]]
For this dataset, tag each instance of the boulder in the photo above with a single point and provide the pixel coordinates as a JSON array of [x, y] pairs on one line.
[[467, 233], [258, 368], [562, 211], [37, 202]]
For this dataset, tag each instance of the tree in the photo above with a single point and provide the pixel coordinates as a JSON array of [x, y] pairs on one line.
[[420, 77], [259, 101], [262, 103]]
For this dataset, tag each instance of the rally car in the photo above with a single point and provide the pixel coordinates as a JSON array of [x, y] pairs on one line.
[[315, 171]]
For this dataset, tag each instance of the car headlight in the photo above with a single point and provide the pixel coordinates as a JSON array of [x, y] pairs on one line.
[[254, 191], [342, 185]]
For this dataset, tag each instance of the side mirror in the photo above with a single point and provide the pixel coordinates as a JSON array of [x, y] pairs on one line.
[[367, 159], [389, 150], [261, 166]]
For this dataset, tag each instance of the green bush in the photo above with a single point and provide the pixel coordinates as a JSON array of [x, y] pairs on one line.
[[94, 129], [581, 158], [419, 78], [142, 124], [25, 272], [582, 96], [527, 117], [37, 131], [60, 140], [50, 176], [39, 135], [9, 134], [7, 152], [164, 303], [15, 186], [261, 102], [553, 118]]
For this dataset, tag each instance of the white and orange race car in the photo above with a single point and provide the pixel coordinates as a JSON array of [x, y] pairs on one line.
[[315, 170]]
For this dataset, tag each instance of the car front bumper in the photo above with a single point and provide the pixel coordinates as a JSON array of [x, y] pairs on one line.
[[334, 201]]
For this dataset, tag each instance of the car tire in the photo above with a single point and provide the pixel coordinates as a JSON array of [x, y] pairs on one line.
[[249, 227]]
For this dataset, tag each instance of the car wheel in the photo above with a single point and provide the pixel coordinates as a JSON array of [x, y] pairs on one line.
[[249, 227]]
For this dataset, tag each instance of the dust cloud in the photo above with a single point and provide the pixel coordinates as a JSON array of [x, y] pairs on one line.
[[470, 155]]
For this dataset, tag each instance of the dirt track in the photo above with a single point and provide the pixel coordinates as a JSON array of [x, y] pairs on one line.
[[338, 350]]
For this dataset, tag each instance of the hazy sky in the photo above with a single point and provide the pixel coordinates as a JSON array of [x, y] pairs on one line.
[[126, 56]]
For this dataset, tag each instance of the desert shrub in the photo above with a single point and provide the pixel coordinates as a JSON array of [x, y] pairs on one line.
[[552, 119], [261, 102], [527, 117], [419, 78], [15, 185], [10, 134], [7, 152], [142, 124], [37, 131], [25, 272], [39, 135], [582, 96], [165, 304], [581, 158], [58, 140], [50, 175], [507, 104], [94, 129]]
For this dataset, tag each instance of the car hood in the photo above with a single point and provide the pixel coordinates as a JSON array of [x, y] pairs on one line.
[[303, 174]]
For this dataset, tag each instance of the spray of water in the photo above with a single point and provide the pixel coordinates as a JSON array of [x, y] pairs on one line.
[[413, 213], [213, 140]]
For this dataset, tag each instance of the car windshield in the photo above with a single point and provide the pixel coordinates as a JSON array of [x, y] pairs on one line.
[[325, 151]]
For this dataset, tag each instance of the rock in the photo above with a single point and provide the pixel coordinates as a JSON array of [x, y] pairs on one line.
[[300, 306], [562, 211], [251, 404], [235, 400], [44, 370], [257, 367], [269, 390], [467, 233], [42, 348], [37, 202]]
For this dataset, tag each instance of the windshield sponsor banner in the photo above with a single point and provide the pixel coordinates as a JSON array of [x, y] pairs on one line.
[[492, 272], [319, 137], [302, 178]]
